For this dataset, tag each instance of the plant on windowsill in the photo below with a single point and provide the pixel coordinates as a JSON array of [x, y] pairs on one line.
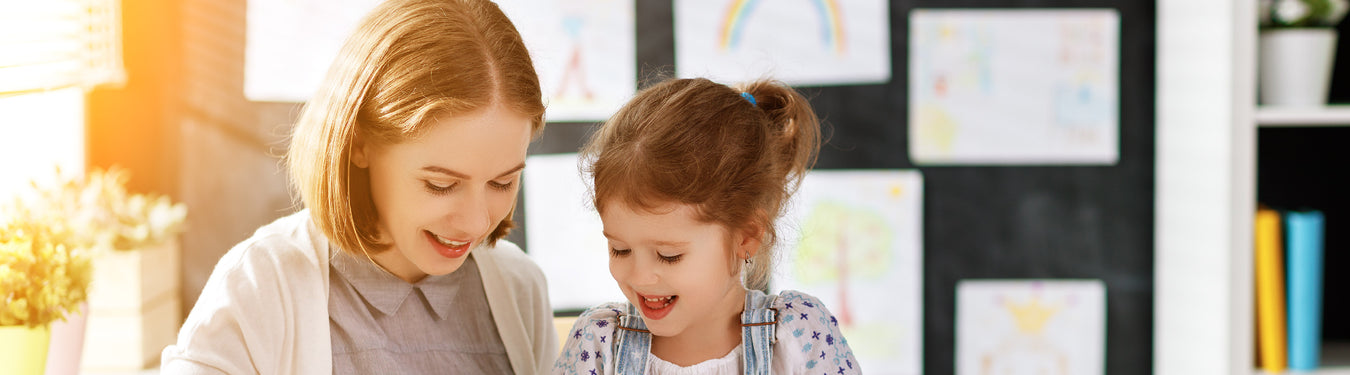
[[133, 301], [42, 279], [1297, 50]]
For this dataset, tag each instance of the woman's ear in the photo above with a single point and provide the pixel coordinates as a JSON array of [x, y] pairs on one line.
[[360, 152]]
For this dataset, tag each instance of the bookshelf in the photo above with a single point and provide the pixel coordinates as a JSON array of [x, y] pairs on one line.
[[1332, 115], [1208, 128]]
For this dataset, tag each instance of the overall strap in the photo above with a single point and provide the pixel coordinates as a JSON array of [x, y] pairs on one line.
[[758, 323], [632, 343]]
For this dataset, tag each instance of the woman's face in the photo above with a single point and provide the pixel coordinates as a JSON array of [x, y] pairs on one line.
[[439, 196]]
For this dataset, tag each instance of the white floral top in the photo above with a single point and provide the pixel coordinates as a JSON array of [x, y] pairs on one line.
[[807, 335]]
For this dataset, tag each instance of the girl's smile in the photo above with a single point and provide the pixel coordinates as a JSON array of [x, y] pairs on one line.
[[656, 307]]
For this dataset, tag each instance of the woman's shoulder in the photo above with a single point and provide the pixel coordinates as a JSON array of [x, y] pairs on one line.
[[519, 269], [287, 241]]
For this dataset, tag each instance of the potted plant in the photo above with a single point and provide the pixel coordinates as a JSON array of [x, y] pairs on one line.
[[1297, 49], [42, 279], [133, 305]]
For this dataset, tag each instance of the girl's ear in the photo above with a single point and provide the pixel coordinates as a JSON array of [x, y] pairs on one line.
[[360, 152], [748, 241]]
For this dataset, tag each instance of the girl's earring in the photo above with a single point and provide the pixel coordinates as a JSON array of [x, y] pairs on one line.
[[747, 258]]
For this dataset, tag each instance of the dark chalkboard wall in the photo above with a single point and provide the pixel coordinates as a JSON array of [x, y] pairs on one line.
[[986, 222]]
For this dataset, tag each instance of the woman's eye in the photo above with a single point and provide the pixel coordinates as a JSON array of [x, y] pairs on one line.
[[670, 259], [439, 189], [617, 252], [503, 186]]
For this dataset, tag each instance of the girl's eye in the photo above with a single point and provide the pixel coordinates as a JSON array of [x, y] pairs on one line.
[[503, 186], [672, 259], [618, 253], [439, 189]]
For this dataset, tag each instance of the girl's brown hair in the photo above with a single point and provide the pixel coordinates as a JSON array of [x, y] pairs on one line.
[[736, 158], [408, 63]]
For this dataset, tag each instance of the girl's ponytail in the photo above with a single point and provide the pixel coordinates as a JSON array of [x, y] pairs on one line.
[[793, 125]]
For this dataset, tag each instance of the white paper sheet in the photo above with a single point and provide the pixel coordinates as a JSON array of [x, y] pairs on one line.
[[812, 42], [1030, 327], [291, 43], [564, 234], [584, 52], [1014, 87], [854, 239]]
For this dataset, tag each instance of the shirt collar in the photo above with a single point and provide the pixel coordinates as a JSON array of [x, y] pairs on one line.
[[387, 293]]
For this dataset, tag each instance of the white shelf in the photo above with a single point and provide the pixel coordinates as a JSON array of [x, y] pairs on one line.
[[1332, 115], [1320, 371], [1335, 360]]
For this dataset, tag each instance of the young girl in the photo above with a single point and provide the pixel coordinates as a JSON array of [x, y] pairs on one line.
[[407, 161], [689, 178]]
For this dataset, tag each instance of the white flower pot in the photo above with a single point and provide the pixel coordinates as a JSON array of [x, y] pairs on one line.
[[1295, 66]]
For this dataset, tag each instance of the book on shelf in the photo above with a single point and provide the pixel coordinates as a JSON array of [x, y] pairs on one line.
[[1303, 240], [1270, 307]]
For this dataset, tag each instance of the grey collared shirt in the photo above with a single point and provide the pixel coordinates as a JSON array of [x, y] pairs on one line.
[[381, 324]]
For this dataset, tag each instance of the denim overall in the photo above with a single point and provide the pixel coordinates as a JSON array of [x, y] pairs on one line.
[[633, 342]]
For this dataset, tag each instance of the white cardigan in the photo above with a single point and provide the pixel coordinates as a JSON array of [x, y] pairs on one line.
[[265, 308]]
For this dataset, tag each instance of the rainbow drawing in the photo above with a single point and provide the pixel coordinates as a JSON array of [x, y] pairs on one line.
[[831, 25]]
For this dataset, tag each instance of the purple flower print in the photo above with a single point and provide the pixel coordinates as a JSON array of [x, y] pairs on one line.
[[601, 323], [829, 339], [585, 356], [803, 316], [577, 335], [833, 321], [815, 335], [789, 305], [808, 304]]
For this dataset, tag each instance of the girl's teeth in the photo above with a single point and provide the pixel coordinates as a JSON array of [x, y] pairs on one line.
[[659, 299]]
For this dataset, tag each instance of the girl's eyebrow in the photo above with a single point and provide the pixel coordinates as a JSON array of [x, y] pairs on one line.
[[460, 175], [657, 243]]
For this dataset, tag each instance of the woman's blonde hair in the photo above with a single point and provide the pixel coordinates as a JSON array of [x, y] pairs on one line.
[[735, 155], [408, 63]]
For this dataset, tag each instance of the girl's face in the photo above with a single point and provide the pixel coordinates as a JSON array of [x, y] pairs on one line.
[[440, 195], [678, 271]]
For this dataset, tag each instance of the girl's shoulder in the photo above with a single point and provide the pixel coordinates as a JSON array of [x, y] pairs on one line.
[[589, 348], [598, 320], [799, 302], [809, 336]]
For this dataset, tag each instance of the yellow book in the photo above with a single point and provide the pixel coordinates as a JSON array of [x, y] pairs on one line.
[[1270, 310]]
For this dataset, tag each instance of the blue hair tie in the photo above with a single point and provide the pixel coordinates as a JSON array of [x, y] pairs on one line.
[[750, 98]]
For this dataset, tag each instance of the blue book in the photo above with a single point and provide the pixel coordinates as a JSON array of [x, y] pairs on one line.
[[1303, 236]]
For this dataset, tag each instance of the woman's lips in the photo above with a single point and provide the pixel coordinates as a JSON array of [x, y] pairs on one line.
[[446, 247]]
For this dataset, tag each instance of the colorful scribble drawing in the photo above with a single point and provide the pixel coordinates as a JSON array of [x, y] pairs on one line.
[[1081, 103], [831, 24], [842, 242], [1027, 351], [958, 64], [575, 72], [1050, 327]]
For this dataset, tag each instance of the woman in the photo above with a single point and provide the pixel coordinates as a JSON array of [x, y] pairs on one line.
[[408, 162]]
